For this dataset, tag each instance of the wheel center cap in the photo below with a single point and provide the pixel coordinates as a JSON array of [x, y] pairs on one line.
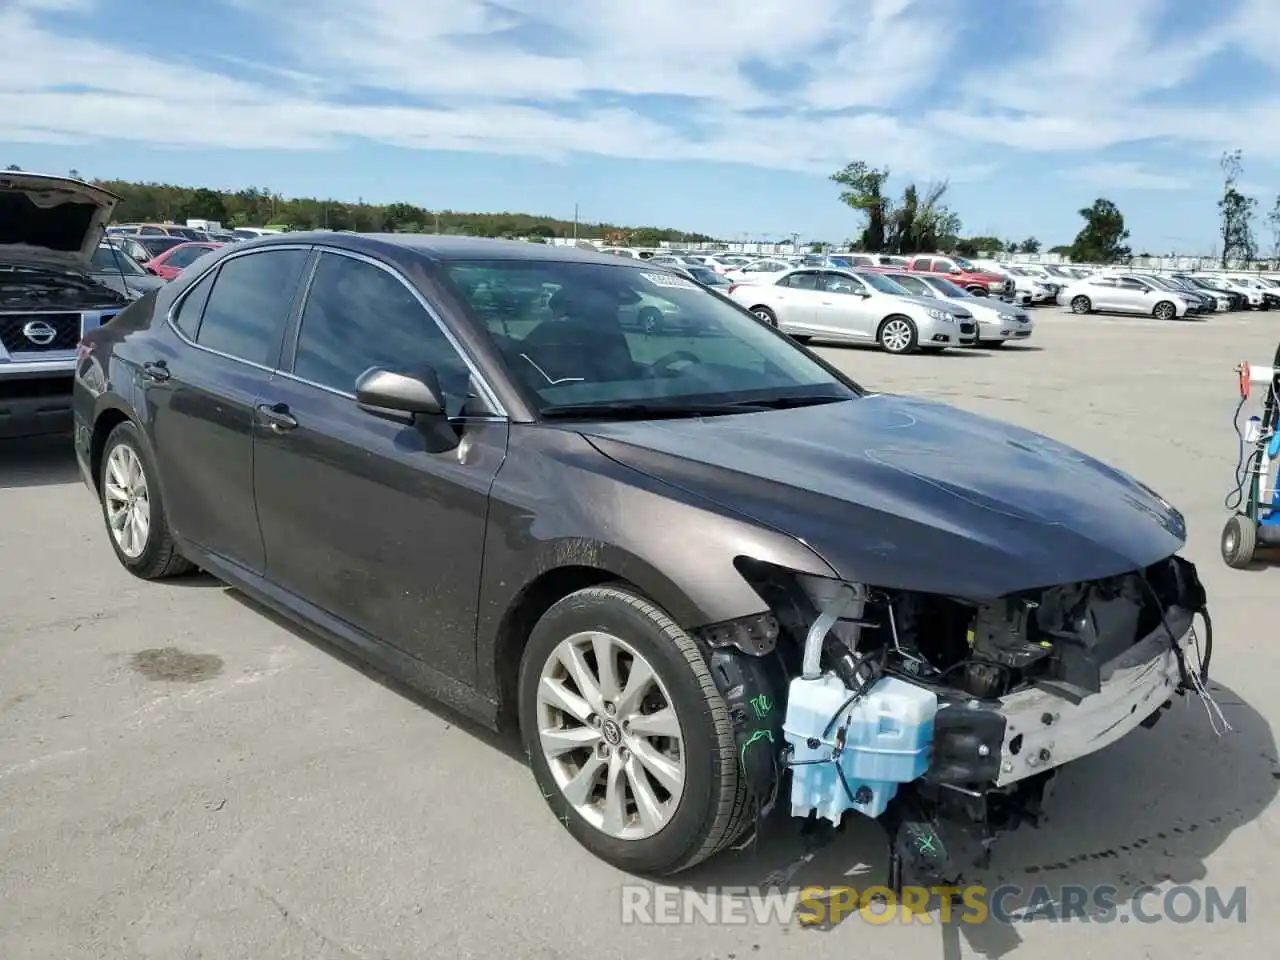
[[611, 732]]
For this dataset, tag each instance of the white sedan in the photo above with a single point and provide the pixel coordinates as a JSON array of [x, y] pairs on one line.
[[998, 322], [1103, 294], [759, 271], [845, 305]]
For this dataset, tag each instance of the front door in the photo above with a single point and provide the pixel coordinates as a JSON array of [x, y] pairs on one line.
[[359, 515], [845, 308]]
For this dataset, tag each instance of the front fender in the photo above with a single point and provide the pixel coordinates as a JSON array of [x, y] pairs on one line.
[[559, 504]]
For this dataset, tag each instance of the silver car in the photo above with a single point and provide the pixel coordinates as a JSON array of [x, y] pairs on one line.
[[1111, 294], [850, 306], [998, 322]]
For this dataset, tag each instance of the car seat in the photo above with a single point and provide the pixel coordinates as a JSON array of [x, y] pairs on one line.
[[581, 341]]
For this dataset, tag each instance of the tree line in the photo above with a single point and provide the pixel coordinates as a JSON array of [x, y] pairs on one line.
[[919, 221], [260, 206]]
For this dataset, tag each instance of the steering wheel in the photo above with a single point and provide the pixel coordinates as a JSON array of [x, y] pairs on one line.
[[662, 366]]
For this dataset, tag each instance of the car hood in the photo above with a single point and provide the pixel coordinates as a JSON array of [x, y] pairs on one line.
[[51, 221], [987, 308], [909, 494], [135, 285]]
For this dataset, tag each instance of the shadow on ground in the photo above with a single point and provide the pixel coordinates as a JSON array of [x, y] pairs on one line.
[[1150, 809], [37, 462]]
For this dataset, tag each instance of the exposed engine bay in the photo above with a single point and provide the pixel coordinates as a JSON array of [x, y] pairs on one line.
[[25, 288], [918, 709]]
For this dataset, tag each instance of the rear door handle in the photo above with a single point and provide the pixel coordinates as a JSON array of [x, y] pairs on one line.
[[157, 371], [277, 416]]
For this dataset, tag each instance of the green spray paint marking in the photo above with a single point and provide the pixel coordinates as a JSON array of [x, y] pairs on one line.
[[926, 844], [762, 705], [756, 735]]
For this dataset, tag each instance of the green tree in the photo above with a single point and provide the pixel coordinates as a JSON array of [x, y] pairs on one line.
[[864, 192], [1029, 245], [203, 204], [1235, 211], [1062, 250], [1102, 240]]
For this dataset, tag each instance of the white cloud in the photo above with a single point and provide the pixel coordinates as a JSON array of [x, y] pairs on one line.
[[1126, 176], [438, 74]]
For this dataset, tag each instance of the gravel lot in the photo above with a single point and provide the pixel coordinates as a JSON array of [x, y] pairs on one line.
[[263, 798]]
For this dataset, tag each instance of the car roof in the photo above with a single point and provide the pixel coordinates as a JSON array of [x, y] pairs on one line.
[[444, 248]]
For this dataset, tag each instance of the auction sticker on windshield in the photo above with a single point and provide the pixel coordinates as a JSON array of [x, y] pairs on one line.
[[667, 280]]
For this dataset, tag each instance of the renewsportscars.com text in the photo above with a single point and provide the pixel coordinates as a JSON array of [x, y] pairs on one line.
[[1181, 904]]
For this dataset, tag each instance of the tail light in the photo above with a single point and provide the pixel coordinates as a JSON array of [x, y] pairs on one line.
[[732, 287]]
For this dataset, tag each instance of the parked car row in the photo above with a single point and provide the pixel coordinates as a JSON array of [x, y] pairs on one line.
[[903, 311], [1169, 296]]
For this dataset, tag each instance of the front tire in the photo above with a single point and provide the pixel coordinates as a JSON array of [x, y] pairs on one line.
[[1164, 310], [765, 314], [898, 335], [1239, 541], [1081, 304], [627, 736], [133, 510]]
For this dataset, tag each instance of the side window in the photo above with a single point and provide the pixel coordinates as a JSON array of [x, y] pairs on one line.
[[1103, 282], [360, 316], [250, 300], [1128, 283], [186, 256], [187, 317], [923, 264], [839, 283], [944, 266], [802, 281], [916, 286], [151, 232]]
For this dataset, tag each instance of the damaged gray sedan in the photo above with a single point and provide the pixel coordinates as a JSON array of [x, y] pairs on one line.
[[703, 571]]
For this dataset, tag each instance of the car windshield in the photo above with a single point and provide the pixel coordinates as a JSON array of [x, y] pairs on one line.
[[884, 284], [109, 259], [964, 264], [583, 337], [158, 245], [709, 277], [949, 289]]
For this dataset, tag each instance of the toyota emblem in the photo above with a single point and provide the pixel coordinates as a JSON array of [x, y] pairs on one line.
[[39, 333]]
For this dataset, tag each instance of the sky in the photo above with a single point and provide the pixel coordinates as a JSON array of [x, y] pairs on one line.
[[718, 116]]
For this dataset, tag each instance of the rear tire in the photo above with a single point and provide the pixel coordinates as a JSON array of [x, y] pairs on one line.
[[671, 831], [133, 510]]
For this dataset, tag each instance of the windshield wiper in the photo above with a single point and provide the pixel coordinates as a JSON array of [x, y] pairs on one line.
[[644, 410], [786, 403], [641, 410]]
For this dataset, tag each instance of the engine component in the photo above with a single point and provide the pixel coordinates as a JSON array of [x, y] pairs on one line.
[[1090, 623], [1000, 634], [851, 750], [966, 745]]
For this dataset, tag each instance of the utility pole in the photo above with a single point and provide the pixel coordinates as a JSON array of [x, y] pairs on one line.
[[575, 224]]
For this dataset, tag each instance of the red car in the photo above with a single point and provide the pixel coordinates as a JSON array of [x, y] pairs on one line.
[[169, 263]]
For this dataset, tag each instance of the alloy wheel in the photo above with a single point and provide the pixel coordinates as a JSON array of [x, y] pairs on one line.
[[896, 336], [766, 316], [610, 735], [127, 501]]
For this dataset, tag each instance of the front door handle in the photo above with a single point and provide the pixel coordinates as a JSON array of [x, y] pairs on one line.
[[157, 371], [277, 416]]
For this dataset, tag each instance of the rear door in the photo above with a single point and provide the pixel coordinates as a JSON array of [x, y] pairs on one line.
[[202, 392], [796, 298], [359, 516]]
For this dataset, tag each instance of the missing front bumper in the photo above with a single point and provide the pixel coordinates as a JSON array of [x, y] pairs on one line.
[[1043, 730]]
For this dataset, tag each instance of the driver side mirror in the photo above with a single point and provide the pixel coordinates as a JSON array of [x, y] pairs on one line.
[[410, 400]]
